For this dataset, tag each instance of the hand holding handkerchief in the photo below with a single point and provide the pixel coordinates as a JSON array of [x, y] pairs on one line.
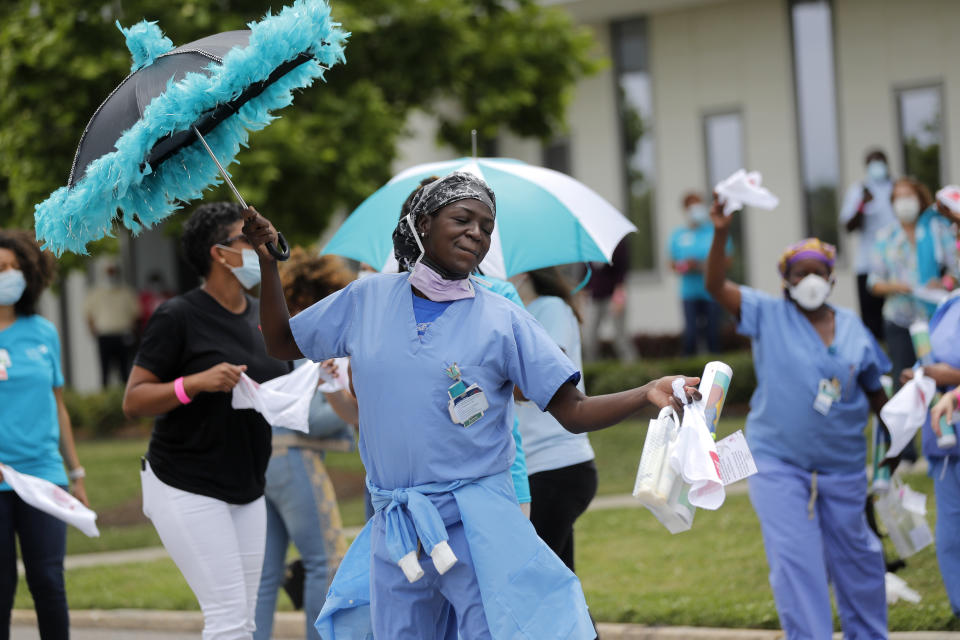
[[745, 189], [906, 411], [949, 197], [283, 401], [49, 498]]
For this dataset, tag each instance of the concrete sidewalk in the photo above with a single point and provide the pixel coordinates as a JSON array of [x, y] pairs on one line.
[[136, 624]]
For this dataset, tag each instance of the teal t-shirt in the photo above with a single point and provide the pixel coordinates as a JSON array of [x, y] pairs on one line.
[[29, 427], [693, 244]]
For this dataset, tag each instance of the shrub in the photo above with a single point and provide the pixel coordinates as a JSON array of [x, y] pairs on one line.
[[610, 376], [99, 413]]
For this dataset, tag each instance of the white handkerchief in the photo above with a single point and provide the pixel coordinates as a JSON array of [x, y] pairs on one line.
[[695, 459], [283, 401], [49, 498], [906, 411], [949, 196], [338, 382], [745, 189]]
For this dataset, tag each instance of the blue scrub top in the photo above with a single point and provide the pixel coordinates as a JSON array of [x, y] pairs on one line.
[[693, 244], [944, 347], [790, 359], [29, 425], [407, 437]]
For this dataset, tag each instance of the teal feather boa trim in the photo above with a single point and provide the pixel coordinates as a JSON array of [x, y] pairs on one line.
[[72, 217], [146, 42]]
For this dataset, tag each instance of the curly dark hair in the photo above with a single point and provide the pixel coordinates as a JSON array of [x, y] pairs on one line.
[[307, 278], [38, 267], [208, 225]]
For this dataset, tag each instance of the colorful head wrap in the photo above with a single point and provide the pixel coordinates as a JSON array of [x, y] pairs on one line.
[[809, 248], [429, 199]]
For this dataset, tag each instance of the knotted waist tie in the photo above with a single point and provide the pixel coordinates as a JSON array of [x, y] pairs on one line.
[[410, 516]]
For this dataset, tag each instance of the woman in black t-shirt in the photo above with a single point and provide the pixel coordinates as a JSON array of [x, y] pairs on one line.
[[203, 475]]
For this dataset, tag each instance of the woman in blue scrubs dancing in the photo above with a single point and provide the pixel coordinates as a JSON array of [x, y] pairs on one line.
[[818, 376], [435, 361]]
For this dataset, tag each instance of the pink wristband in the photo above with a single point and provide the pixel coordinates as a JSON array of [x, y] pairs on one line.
[[180, 391]]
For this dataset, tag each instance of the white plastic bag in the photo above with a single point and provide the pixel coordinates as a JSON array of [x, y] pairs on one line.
[[903, 513], [283, 401], [745, 189], [658, 486], [694, 457], [49, 498], [906, 411]]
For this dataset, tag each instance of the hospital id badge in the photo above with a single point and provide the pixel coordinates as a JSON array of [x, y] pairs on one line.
[[828, 392], [468, 405]]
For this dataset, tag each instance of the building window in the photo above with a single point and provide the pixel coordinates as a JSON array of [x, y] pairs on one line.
[[815, 91], [635, 100], [723, 146], [556, 155], [920, 116]]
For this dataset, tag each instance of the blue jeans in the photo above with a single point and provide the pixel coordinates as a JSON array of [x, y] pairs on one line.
[[43, 544], [301, 506], [695, 311]]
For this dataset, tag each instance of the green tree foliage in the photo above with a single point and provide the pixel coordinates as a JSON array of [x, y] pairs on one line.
[[491, 64]]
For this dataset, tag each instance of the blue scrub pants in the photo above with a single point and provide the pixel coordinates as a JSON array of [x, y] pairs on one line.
[[805, 554], [946, 486], [428, 608], [302, 506]]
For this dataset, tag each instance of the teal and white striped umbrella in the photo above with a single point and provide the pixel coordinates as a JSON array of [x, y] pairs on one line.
[[544, 218]]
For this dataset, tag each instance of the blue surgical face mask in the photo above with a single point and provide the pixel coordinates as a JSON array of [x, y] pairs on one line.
[[12, 286], [698, 213], [248, 274], [877, 170]]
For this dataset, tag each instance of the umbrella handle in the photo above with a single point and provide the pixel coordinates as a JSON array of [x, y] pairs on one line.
[[283, 253]]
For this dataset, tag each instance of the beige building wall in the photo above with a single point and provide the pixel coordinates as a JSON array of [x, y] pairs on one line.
[[883, 47], [706, 58]]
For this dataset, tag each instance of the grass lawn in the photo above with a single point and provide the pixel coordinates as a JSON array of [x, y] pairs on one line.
[[632, 569]]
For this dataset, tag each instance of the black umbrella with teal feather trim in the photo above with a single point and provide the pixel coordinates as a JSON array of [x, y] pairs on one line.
[[166, 132]]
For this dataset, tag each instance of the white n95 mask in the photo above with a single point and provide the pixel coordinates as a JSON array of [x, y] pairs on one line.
[[811, 292], [906, 209]]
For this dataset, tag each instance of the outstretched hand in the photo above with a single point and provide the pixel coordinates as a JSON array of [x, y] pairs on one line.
[[661, 392], [259, 231]]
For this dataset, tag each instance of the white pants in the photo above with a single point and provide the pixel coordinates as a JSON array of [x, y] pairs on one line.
[[218, 548]]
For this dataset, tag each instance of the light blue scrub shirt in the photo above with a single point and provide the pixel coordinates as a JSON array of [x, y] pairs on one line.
[[790, 359], [407, 437], [29, 425]]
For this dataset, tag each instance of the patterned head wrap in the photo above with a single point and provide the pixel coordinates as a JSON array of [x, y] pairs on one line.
[[809, 248], [429, 199]]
